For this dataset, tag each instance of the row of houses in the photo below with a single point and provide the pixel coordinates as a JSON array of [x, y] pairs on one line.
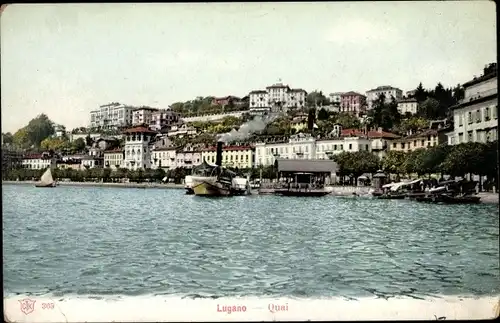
[[144, 148]]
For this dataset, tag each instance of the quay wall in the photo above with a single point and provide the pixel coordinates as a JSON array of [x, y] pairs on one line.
[[94, 184], [349, 190]]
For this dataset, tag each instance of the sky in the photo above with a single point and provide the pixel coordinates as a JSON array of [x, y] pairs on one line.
[[65, 60]]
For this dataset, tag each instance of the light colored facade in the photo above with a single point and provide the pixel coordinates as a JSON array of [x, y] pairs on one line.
[[36, 161], [181, 130], [92, 162], [476, 117], [278, 95], [59, 130], [142, 116], [335, 98], [111, 115], [137, 148], [114, 158], [165, 158], [407, 105], [163, 118], [333, 146], [387, 90], [188, 157], [232, 156], [413, 141]]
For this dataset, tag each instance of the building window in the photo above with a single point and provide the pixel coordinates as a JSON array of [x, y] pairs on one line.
[[470, 117], [478, 116], [394, 145], [487, 114], [469, 136], [402, 145], [423, 143], [350, 146]]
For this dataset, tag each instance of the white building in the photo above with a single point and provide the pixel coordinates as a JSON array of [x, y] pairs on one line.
[[36, 161], [387, 90], [142, 115], [114, 158], [476, 117], [181, 130], [111, 115], [164, 158], [278, 95], [335, 98], [59, 130], [407, 105], [163, 118], [137, 149]]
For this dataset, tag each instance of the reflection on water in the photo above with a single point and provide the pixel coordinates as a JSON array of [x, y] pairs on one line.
[[107, 241]]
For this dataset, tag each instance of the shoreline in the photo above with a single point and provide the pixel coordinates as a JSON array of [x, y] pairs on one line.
[[99, 184]]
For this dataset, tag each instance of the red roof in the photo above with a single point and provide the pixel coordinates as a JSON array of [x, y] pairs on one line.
[[139, 130], [116, 150], [371, 133], [36, 156], [227, 148]]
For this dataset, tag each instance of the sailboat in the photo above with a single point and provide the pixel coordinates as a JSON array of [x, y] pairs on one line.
[[46, 180]]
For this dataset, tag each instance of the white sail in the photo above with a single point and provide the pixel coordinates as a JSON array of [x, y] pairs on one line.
[[46, 178]]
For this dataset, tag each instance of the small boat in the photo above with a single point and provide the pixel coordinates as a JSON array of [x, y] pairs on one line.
[[46, 180], [188, 185]]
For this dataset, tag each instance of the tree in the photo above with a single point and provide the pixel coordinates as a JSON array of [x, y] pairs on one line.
[[414, 123], [466, 158], [347, 121], [354, 164], [21, 138], [7, 138], [52, 144], [88, 140], [420, 93], [394, 162], [311, 118], [429, 109], [316, 98], [78, 144], [323, 114]]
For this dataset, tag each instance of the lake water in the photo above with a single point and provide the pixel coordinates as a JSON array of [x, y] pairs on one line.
[[91, 241]]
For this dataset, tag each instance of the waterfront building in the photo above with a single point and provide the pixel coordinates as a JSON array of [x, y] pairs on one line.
[[137, 148], [476, 116], [142, 116], [36, 161], [278, 95], [111, 115], [407, 106], [300, 146], [328, 147], [379, 139], [387, 90], [164, 157], [92, 162], [352, 102], [163, 118], [114, 158], [232, 156], [424, 139], [188, 157], [75, 164]]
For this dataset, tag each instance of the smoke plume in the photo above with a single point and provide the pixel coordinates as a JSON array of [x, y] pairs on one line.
[[246, 129]]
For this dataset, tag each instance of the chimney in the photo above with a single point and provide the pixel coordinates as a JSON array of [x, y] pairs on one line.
[[218, 158]]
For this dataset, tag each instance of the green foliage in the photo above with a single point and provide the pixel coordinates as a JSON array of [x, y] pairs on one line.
[[413, 123], [323, 114], [383, 114], [474, 158], [394, 162], [354, 164], [7, 138], [316, 98], [347, 121]]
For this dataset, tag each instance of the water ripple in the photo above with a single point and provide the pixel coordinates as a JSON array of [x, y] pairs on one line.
[[105, 241]]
